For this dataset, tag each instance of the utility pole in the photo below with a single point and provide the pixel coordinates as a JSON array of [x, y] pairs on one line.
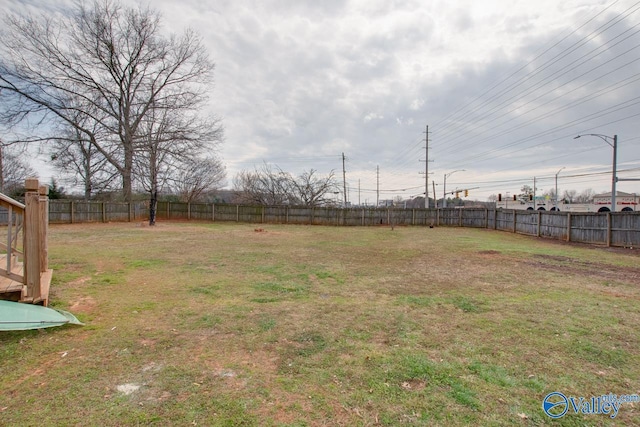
[[433, 183], [377, 186], [556, 204], [344, 180], [426, 169], [614, 177]]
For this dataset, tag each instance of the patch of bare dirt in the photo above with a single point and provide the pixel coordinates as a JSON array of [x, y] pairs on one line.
[[489, 252], [78, 282], [83, 305], [567, 265], [414, 385]]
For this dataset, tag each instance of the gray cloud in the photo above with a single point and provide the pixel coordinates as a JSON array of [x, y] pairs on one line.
[[308, 80]]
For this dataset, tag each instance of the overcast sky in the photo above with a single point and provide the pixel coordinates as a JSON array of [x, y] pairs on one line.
[[504, 86]]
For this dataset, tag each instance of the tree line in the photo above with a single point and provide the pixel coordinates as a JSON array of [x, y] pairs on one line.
[[112, 99], [567, 196], [119, 105]]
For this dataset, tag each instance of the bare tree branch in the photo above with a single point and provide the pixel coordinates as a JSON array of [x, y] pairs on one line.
[[103, 71]]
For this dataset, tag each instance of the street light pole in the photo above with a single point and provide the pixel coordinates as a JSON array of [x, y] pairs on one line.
[[556, 204], [614, 178], [444, 191]]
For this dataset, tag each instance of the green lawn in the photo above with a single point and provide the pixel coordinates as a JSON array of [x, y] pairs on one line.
[[217, 324]]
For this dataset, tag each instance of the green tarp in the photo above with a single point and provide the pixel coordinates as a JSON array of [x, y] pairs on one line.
[[15, 316]]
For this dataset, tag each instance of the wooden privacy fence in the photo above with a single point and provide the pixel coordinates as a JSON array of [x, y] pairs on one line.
[[611, 229]]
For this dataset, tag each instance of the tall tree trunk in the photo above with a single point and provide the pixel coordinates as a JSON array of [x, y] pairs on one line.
[[153, 207], [127, 172]]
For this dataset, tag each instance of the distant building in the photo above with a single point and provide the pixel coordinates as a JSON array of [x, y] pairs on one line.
[[625, 202]]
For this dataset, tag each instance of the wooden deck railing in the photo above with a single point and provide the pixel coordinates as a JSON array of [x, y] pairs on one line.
[[24, 273]]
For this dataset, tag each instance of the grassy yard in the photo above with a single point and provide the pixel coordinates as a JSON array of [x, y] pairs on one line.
[[210, 324]]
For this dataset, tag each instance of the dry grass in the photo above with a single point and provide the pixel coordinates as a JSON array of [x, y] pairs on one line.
[[207, 324]]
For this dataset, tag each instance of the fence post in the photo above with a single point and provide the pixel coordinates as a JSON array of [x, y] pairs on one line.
[[262, 214], [189, 210], [539, 221], [213, 212], [104, 213], [608, 229], [514, 220], [495, 219], [237, 213], [568, 226], [460, 217], [72, 211], [130, 215], [286, 214]]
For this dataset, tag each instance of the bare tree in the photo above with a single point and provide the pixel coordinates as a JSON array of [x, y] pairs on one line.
[[170, 152], [14, 171], [103, 67], [267, 186], [264, 186], [81, 162], [311, 190], [585, 196], [569, 195], [198, 177]]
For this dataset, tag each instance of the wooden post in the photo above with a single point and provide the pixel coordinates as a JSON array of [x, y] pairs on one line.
[[262, 215], [237, 213], [363, 217], [213, 212], [460, 217], [514, 220], [568, 226], [130, 215], [495, 219], [73, 210], [539, 221], [31, 234], [486, 218], [43, 207], [188, 210], [168, 210], [286, 214]]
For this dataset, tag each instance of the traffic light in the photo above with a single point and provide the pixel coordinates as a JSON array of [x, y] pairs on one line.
[[499, 197], [530, 197], [515, 198], [466, 193], [457, 194]]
